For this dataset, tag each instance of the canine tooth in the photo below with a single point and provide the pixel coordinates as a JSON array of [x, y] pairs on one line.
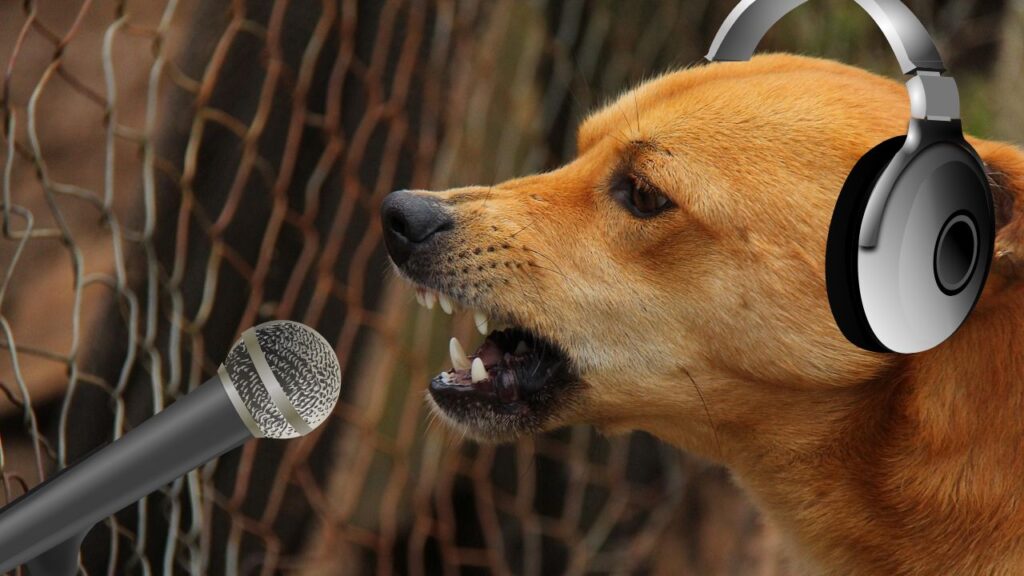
[[419, 297], [522, 348], [446, 303], [428, 299], [480, 319], [478, 372], [459, 359]]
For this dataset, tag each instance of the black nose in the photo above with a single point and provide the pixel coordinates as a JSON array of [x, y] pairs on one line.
[[410, 222]]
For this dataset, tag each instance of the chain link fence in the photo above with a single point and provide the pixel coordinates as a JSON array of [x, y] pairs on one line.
[[176, 171]]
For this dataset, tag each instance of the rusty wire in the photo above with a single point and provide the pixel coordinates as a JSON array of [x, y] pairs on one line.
[[115, 113]]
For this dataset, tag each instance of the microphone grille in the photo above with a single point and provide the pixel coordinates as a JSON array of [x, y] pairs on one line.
[[287, 377]]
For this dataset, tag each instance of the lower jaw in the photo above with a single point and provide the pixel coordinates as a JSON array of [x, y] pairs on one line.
[[484, 427]]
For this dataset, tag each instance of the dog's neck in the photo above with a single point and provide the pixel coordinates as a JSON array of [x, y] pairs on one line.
[[870, 478]]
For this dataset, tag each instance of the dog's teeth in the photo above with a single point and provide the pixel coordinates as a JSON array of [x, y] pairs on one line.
[[459, 359], [428, 299], [446, 303], [478, 372], [419, 297], [522, 348], [480, 319]]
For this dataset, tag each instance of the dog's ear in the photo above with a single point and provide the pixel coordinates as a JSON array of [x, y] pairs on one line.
[[1004, 165]]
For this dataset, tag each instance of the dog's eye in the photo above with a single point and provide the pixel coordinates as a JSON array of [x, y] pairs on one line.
[[640, 198]]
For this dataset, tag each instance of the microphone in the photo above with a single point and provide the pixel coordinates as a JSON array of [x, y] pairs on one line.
[[280, 380]]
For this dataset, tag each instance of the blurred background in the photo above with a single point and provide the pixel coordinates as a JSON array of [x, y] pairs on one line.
[[176, 171]]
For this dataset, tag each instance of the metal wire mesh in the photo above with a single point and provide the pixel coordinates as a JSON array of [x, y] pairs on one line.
[[176, 171]]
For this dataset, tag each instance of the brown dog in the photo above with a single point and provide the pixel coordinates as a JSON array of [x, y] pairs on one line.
[[671, 279]]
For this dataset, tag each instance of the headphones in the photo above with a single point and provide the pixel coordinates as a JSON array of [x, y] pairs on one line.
[[913, 230]]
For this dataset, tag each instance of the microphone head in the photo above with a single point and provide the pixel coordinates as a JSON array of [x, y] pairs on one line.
[[283, 378]]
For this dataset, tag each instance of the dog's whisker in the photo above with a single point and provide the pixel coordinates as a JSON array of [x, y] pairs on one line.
[[545, 268], [479, 211], [553, 263], [543, 354], [487, 198], [636, 107], [576, 74], [429, 424], [517, 232], [529, 467], [711, 421], [623, 140], [537, 292], [625, 118]]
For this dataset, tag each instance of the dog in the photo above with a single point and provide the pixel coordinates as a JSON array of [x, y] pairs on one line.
[[671, 279]]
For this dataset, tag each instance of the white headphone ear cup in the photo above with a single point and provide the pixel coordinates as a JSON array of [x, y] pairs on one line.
[[939, 204], [841, 273]]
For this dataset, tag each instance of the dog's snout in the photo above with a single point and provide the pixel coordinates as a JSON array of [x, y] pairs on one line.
[[411, 221]]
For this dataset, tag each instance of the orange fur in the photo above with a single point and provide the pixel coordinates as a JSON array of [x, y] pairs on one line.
[[868, 463]]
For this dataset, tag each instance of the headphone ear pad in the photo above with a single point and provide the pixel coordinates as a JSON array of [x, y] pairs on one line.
[[841, 272]]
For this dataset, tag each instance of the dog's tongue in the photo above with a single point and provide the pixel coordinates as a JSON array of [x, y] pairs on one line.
[[502, 377], [489, 352]]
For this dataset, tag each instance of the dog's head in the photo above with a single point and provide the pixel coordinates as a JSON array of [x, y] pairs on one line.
[[676, 266]]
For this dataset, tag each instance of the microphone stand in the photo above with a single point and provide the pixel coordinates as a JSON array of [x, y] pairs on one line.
[[54, 516], [61, 560]]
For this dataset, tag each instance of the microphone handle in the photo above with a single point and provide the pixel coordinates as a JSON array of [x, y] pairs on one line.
[[195, 429]]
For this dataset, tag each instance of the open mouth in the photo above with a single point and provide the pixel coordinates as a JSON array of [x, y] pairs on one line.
[[515, 373], [508, 367]]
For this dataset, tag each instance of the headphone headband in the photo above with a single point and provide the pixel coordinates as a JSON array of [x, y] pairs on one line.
[[932, 96], [751, 19]]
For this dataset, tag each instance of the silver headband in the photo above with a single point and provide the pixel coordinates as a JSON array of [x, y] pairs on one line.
[[932, 96]]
